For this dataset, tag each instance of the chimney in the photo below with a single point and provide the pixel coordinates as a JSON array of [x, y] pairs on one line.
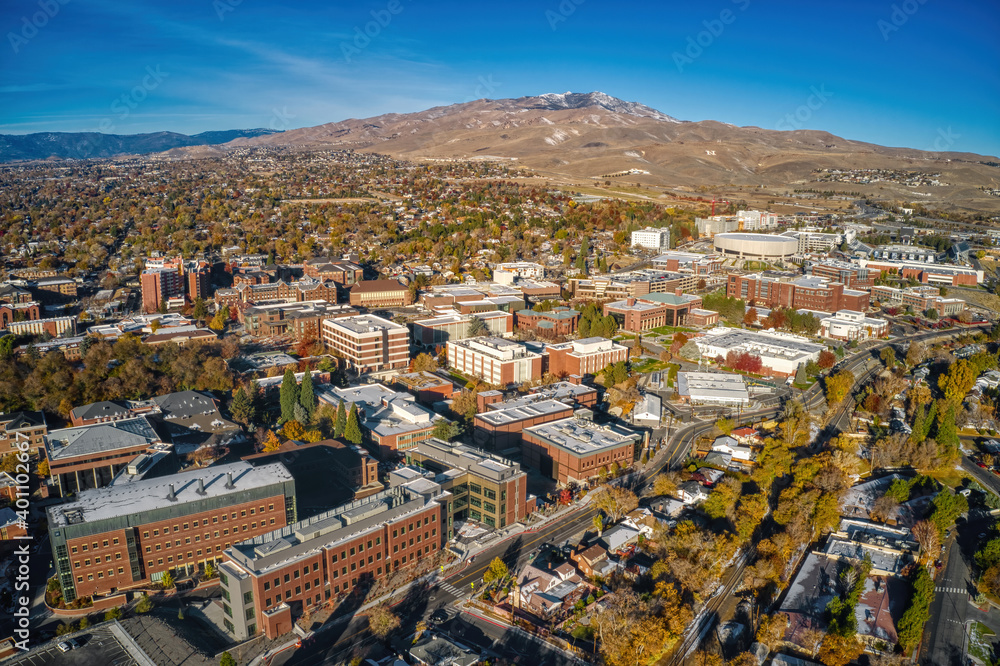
[[229, 481], [630, 302], [677, 291], [171, 495], [201, 487]]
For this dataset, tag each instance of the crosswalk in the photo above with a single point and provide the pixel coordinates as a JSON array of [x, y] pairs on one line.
[[953, 590], [450, 589]]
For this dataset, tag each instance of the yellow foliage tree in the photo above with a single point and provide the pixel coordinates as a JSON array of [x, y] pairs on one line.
[[271, 443]]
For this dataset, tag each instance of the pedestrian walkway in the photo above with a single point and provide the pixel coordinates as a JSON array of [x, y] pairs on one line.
[[451, 589], [952, 590]]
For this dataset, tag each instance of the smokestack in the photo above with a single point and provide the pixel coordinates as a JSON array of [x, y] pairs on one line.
[[229, 481], [201, 487], [171, 495]]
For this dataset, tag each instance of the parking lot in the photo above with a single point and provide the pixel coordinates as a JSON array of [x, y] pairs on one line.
[[99, 646]]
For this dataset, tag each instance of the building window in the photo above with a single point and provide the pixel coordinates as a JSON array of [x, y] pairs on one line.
[[247, 597], [249, 614], [227, 610]]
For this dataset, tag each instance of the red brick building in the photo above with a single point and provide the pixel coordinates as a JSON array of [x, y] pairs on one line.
[[577, 449], [380, 294], [342, 272], [583, 357], [271, 580], [26, 425], [10, 312], [499, 425], [553, 323], [810, 293], [129, 535]]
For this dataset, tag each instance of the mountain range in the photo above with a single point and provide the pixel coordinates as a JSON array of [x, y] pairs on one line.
[[86, 145], [588, 137]]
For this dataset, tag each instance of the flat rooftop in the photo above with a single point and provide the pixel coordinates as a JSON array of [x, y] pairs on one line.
[[92, 440], [712, 385], [528, 407], [147, 494], [474, 461], [362, 324], [582, 437]]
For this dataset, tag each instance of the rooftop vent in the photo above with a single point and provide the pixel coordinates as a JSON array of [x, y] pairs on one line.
[[201, 487], [229, 481], [171, 495]]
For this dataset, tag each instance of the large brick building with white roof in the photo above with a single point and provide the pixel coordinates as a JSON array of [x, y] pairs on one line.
[[131, 533], [576, 449], [495, 360], [368, 343]]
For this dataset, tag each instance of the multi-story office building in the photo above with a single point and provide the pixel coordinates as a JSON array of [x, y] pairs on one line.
[[55, 326], [17, 312], [485, 488], [809, 293], [576, 448], [850, 275], [439, 330], [920, 299], [927, 273], [342, 272], [270, 580], [380, 294], [780, 353], [368, 343], [851, 325], [499, 427], [634, 284], [583, 357], [551, 323], [651, 239], [160, 285], [523, 269], [28, 426], [131, 534], [653, 310], [300, 320], [495, 360]]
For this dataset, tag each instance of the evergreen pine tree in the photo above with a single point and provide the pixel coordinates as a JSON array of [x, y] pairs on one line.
[[242, 407], [917, 434], [289, 395], [340, 420], [352, 431], [307, 397]]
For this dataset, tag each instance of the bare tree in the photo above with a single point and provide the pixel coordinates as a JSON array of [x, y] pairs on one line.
[[926, 534]]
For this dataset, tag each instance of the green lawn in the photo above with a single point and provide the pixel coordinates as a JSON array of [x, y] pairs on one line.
[[670, 330], [647, 365]]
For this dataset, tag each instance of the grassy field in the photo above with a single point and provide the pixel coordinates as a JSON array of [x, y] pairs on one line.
[[647, 365], [670, 330]]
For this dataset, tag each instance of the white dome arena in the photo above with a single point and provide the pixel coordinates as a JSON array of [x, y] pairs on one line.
[[756, 246]]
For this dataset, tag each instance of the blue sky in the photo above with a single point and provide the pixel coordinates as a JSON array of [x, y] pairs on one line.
[[918, 73]]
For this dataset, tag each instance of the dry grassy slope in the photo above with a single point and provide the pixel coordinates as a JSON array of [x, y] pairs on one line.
[[608, 137]]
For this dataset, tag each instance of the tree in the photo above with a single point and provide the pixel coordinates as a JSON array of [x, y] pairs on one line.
[[447, 430], [43, 467], [293, 430], [915, 354], [665, 484], [84, 622], [145, 604], [946, 507], [167, 581], [382, 622], [113, 614], [242, 408], [838, 386], [615, 502], [888, 357], [477, 327], [931, 314], [209, 572], [352, 430], [288, 395], [497, 572], [227, 659], [911, 625], [271, 442], [750, 318], [827, 359], [340, 421], [200, 309], [839, 650], [219, 320], [725, 425], [424, 363], [926, 534], [307, 397]]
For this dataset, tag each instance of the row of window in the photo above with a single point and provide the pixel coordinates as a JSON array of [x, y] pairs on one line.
[[289, 576], [83, 546], [180, 556], [100, 574], [202, 523], [198, 537]]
